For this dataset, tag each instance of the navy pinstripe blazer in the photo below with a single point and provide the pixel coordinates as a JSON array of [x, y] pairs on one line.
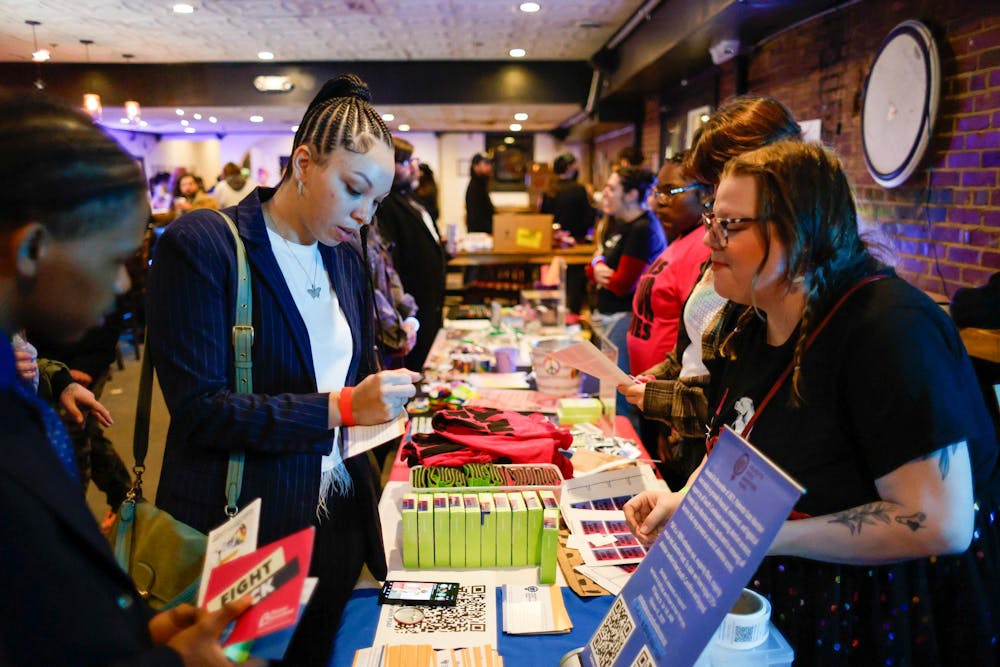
[[283, 425]]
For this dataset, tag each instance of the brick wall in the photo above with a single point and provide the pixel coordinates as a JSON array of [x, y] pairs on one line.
[[943, 224]]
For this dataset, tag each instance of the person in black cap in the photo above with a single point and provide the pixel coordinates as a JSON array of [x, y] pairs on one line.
[[570, 207], [478, 207]]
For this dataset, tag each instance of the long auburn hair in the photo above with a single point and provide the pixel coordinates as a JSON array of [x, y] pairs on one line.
[[805, 197]]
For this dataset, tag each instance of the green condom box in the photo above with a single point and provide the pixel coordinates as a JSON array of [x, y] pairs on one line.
[[473, 534], [549, 546], [502, 504], [411, 559], [487, 531], [442, 525], [534, 507], [425, 530], [456, 536], [518, 530]]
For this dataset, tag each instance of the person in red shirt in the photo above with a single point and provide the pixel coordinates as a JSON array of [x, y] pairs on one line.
[[663, 289]]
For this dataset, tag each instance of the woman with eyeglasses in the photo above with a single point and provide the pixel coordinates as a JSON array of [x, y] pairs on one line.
[[675, 392], [875, 410]]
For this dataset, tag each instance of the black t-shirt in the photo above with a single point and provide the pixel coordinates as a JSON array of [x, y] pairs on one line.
[[570, 208], [887, 381], [642, 238]]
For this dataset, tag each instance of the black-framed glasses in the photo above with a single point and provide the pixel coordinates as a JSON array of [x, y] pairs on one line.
[[663, 196], [719, 227]]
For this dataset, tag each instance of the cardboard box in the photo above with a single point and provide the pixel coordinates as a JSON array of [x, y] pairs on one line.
[[502, 504], [411, 558], [549, 547], [522, 232], [487, 531], [534, 507], [425, 529], [456, 538], [518, 530], [473, 538], [442, 525]]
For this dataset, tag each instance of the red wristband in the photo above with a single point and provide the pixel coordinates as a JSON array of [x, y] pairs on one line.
[[344, 402]]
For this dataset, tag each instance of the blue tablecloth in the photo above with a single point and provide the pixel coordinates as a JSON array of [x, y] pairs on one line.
[[357, 630]]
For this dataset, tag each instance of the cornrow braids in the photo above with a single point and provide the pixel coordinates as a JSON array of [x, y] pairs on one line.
[[340, 116]]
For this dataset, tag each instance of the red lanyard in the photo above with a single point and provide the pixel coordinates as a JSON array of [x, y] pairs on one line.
[[788, 371]]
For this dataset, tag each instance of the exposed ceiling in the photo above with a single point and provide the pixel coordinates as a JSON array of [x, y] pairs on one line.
[[234, 31]]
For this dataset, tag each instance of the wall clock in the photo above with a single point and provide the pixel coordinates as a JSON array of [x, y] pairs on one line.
[[900, 103]]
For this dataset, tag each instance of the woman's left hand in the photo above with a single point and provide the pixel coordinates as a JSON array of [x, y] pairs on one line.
[[602, 274], [633, 393], [381, 397]]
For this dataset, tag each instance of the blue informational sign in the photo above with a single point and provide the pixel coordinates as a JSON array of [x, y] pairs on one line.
[[696, 568]]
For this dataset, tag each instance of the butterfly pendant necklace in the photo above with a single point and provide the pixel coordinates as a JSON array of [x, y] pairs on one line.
[[314, 290]]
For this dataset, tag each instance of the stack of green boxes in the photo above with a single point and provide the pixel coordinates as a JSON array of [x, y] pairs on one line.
[[504, 529]]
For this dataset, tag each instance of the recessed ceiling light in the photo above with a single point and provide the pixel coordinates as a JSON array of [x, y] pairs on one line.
[[515, 127], [295, 128], [213, 119], [197, 116], [256, 119], [185, 123], [41, 55], [189, 130], [530, 7], [517, 53], [521, 116], [508, 140], [123, 121], [143, 123], [403, 127], [388, 117], [183, 8], [265, 55], [179, 112], [703, 118]]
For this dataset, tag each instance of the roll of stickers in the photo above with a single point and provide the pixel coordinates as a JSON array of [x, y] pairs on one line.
[[746, 625]]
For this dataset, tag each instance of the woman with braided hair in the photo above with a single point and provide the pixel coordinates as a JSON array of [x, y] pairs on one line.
[[313, 354], [893, 556]]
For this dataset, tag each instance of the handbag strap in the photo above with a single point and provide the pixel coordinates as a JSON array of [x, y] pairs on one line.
[[809, 341], [242, 340], [243, 359]]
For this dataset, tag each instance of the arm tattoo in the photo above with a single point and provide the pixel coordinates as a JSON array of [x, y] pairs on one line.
[[871, 514], [874, 514], [944, 460], [913, 521]]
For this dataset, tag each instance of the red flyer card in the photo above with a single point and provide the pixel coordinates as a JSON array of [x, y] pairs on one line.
[[273, 575]]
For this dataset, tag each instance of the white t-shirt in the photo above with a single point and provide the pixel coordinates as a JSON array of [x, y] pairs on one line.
[[701, 307], [329, 332]]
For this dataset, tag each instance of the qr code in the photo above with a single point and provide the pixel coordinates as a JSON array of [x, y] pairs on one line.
[[468, 615], [644, 659], [744, 634], [612, 634]]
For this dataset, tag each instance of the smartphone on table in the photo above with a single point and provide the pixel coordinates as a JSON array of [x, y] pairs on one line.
[[421, 593]]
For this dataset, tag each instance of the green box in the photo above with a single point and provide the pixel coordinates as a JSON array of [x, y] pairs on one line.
[[425, 529], [408, 510], [456, 512], [442, 520], [518, 530], [548, 499], [534, 507], [502, 504], [487, 530], [579, 410], [473, 538], [550, 546]]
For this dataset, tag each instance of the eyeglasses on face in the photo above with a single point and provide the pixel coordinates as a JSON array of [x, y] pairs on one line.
[[719, 227], [663, 196]]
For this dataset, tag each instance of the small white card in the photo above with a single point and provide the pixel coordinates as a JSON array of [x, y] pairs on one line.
[[534, 610], [236, 537]]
